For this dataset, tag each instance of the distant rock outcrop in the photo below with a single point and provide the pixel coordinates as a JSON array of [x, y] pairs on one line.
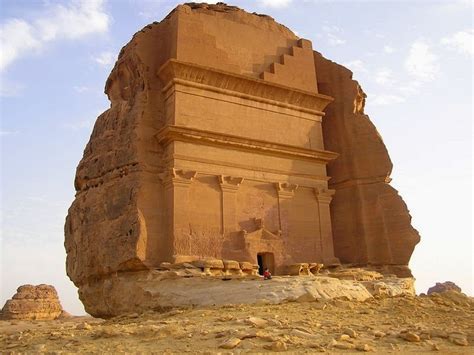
[[34, 303], [443, 287]]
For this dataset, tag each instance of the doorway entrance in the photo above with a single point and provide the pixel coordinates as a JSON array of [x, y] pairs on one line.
[[266, 260]]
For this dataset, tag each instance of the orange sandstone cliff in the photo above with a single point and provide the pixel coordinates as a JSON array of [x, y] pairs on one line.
[[228, 138]]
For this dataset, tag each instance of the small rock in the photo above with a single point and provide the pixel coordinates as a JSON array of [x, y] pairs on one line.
[[378, 334], [225, 318], [230, 343], [437, 333], [224, 333], [276, 346], [317, 347], [344, 337], [363, 347], [411, 337], [344, 346], [303, 334], [84, 326], [351, 332], [248, 335], [458, 339], [319, 305], [257, 322], [274, 323]]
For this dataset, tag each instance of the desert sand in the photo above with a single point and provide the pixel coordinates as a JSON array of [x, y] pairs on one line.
[[439, 322]]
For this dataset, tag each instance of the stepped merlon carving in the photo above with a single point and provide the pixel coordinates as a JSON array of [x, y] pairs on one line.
[[295, 69]]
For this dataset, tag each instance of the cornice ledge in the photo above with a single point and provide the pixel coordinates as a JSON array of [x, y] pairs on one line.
[[177, 71], [178, 133]]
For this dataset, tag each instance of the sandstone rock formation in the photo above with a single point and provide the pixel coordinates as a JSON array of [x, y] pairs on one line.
[[30, 302], [227, 138], [145, 290], [443, 287]]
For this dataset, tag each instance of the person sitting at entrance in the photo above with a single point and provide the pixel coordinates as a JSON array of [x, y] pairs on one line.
[[267, 274]]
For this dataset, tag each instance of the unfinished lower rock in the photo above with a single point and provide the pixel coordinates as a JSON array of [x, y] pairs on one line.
[[160, 290], [30, 302]]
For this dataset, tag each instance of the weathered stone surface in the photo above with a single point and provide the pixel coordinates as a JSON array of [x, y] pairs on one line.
[[148, 290], [30, 302], [215, 148], [371, 223], [443, 287]]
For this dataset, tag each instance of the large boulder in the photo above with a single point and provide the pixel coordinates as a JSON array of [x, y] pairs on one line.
[[443, 287], [30, 302], [215, 148]]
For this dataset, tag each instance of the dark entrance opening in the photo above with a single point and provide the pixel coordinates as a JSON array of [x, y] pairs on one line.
[[265, 260]]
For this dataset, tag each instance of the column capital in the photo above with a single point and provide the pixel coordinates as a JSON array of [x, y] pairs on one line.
[[285, 189], [229, 183], [177, 177], [323, 194]]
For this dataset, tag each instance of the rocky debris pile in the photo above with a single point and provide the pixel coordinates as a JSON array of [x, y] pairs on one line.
[[302, 269], [356, 274], [209, 267], [232, 268], [30, 302], [443, 287]]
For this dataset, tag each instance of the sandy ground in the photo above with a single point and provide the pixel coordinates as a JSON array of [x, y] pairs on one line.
[[391, 325]]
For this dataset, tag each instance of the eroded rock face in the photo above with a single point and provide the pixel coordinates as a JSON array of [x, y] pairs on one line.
[[443, 287], [30, 302], [215, 147], [371, 223], [156, 290]]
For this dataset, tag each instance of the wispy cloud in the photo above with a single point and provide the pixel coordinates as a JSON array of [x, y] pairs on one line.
[[333, 35], [277, 4], [106, 59], [21, 37], [384, 77], [462, 41], [421, 62], [411, 87]]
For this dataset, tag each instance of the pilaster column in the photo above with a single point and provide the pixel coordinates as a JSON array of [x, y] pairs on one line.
[[176, 184], [285, 192], [229, 186], [324, 198]]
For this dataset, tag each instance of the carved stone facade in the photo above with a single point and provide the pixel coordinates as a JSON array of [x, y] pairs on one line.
[[218, 144], [243, 166]]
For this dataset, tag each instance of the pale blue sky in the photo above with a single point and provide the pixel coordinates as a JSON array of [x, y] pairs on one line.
[[414, 59]]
